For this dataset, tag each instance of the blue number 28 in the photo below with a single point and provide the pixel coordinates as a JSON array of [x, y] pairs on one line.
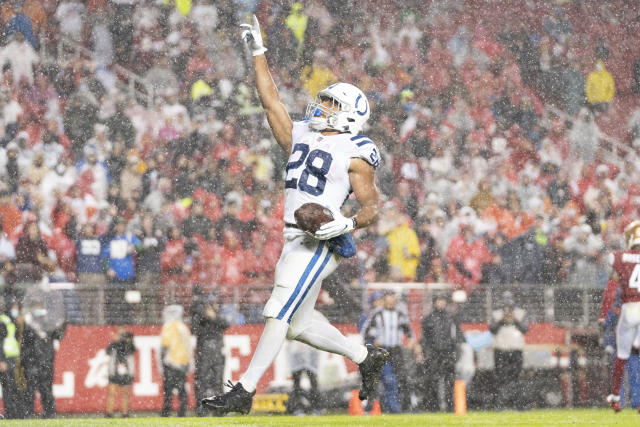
[[319, 172]]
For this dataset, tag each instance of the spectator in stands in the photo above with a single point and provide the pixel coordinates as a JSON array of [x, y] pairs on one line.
[[116, 163], [121, 371], [556, 264], [79, 119], [573, 87], [585, 136], [600, 87], [160, 76], [175, 266], [508, 325], [233, 268], [635, 77], [37, 169], [584, 248], [70, 14], [95, 153], [428, 252], [558, 25], [196, 223], [229, 219], [50, 148], [523, 256], [101, 38], [118, 255], [11, 172], [318, 75], [297, 23], [120, 126], [32, 255], [404, 246], [465, 256], [558, 190], [91, 273], [441, 335], [130, 179], [175, 358], [10, 215], [208, 326], [149, 268], [21, 57], [483, 198]]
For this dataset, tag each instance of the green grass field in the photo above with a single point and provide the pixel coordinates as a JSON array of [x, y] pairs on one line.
[[577, 417]]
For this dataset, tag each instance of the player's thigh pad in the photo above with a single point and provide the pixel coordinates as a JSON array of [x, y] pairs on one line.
[[303, 263], [627, 329]]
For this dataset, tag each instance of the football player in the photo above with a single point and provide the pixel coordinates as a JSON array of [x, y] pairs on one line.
[[328, 160], [626, 274]]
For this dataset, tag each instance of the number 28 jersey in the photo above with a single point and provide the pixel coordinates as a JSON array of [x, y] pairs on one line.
[[318, 168], [627, 265]]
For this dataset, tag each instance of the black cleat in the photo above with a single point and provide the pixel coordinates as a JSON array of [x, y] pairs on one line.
[[370, 369], [236, 400]]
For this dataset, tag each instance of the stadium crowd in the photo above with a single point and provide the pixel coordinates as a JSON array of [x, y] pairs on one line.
[[496, 162]]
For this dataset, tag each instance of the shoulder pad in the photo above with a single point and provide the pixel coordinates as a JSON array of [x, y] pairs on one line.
[[366, 149]]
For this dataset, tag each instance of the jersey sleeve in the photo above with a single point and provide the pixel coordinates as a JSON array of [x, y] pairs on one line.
[[615, 261], [365, 149]]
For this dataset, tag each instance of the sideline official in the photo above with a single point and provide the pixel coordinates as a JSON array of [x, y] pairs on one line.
[[388, 327]]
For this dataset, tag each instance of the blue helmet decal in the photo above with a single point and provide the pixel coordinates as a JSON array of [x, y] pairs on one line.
[[366, 106]]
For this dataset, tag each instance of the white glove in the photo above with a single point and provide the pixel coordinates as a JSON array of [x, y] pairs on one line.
[[340, 225], [252, 36]]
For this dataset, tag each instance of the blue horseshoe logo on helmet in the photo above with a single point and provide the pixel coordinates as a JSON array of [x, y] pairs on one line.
[[366, 106]]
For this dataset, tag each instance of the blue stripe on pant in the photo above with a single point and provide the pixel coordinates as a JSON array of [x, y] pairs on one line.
[[303, 278], [390, 384], [632, 368], [310, 285]]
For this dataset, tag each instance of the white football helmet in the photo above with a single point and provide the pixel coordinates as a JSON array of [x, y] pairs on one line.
[[632, 234], [351, 113]]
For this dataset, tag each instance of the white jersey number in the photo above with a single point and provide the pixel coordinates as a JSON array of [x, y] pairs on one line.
[[319, 172], [634, 280]]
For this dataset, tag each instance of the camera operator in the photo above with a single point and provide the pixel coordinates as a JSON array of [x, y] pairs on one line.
[[208, 327], [121, 370]]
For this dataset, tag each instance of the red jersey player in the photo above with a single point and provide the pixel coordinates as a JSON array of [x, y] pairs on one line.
[[625, 273]]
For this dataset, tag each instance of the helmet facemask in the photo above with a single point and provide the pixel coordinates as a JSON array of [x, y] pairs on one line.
[[322, 117]]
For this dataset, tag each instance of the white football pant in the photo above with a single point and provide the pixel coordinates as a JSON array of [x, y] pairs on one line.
[[627, 329], [303, 264]]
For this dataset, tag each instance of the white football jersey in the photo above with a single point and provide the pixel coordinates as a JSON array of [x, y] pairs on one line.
[[318, 168]]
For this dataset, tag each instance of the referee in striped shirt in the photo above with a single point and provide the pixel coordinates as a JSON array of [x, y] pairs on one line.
[[387, 328]]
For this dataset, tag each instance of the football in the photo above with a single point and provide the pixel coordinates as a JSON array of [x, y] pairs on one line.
[[311, 216]]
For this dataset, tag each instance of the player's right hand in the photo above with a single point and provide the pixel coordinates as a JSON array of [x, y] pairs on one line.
[[253, 37]]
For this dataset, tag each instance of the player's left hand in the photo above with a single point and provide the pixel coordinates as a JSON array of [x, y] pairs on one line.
[[340, 225], [253, 37]]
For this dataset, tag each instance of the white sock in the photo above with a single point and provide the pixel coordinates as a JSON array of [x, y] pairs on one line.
[[324, 336], [273, 336]]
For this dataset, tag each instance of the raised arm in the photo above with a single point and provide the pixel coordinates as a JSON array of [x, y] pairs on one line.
[[277, 115]]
